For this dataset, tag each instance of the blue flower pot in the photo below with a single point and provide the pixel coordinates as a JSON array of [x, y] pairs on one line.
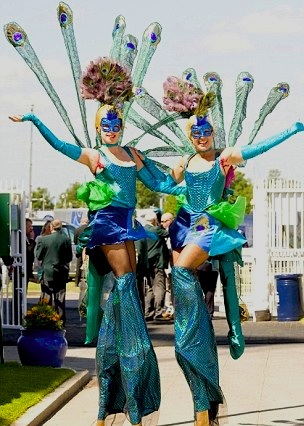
[[45, 348]]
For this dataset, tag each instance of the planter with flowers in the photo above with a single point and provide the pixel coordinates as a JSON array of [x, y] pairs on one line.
[[42, 341]]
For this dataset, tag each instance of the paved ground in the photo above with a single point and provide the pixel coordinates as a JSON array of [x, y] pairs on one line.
[[162, 333], [264, 387]]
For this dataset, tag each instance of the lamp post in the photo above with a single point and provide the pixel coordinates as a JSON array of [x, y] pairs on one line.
[[30, 204]]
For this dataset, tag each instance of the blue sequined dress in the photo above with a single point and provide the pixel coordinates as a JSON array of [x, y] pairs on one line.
[[194, 224]]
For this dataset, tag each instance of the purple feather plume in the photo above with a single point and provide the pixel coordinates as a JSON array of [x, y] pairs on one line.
[[106, 81], [180, 96]]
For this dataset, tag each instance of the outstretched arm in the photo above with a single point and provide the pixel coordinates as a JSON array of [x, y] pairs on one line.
[[235, 155], [86, 156], [154, 178], [71, 151]]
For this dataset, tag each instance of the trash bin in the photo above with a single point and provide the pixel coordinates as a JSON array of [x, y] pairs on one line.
[[289, 300]]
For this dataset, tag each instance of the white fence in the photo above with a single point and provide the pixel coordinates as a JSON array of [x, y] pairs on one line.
[[278, 241]]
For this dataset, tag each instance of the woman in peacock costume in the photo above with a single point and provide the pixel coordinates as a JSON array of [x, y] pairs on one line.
[[126, 363], [206, 225]]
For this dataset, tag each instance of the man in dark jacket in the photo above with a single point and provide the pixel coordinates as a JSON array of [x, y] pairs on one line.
[[55, 253], [77, 233], [158, 258], [30, 247]]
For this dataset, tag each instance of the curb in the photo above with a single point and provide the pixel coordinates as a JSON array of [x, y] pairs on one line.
[[39, 413]]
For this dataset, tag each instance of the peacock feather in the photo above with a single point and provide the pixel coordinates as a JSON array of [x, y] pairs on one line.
[[205, 102], [107, 82], [128, 51], [277, 93], [150, 41], [65, 18], [214, 83], [16, 36], [244, 85], [117, 36], [190, 75]]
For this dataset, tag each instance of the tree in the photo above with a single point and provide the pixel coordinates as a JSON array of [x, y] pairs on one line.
[[242, 186], [170, 204], [68, 199], [41, 199], [274, 174], [145, 197]]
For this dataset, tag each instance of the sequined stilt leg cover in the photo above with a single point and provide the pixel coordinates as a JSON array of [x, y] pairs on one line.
[[195, 345], [235, 336], [126, 363]]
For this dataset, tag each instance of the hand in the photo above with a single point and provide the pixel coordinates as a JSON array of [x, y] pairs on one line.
[[137, 158], [298, 127], [16, 118], [139, 153], [10, 270]]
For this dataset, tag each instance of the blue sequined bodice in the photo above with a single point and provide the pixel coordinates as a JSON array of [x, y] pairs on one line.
[[204, 189], [125, 177]]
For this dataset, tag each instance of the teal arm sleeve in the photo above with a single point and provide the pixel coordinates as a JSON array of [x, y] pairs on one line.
[[156, 180], [153, 169], [167, 184], [71, 151], [251, 151]]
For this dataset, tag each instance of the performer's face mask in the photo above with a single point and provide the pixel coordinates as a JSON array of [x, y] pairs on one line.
[[198, 132], [113, 126]]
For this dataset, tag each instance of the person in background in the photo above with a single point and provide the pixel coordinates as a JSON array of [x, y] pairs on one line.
[[30, 248], [55, 253], [78, 231], [45, 230], [207, 275], [166, 220], [142, 269], [158, 257]]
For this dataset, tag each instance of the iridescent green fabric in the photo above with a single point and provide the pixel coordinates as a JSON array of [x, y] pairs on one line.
[[195, 345], [127, 368]]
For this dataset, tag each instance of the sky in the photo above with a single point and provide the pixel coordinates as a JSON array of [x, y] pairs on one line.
[[265, 38]]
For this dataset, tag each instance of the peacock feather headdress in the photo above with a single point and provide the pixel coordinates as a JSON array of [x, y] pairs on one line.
[[118, 79], [109, 80]]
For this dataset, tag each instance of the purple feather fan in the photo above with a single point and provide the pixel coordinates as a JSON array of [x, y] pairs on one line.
[[106, 81], [180, 96]]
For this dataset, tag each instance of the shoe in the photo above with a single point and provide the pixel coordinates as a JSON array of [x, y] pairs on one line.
[[149, 318], [167, 315], [162, 319], [202, 418]]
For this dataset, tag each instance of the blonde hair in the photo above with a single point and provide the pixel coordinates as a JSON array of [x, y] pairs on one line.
[[102, 112]]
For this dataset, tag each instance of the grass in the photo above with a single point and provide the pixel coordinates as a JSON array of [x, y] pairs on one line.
[[23, 386], [35, 287]]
